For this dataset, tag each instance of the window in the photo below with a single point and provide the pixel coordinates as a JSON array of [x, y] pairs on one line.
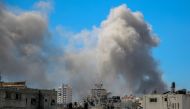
[[153, 99], [165, 99], [8, 95], [26, 100], [172, 105], [33, 101], [17, 96], [52, 102], [178, 105]]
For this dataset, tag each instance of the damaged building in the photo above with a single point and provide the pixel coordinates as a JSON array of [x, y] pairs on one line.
[[16, 95]]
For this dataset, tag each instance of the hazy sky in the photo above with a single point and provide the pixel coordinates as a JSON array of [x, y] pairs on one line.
[[170, 20]]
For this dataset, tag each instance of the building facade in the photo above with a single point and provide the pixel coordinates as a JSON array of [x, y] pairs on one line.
[[170, 100], [98, 92], [99, 96], [166, 101], [18, 96], [64, 94], [131, 102]]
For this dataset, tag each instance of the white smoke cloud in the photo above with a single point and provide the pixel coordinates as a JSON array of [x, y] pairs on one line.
[[117, 53], [44, 7], [23, 50]]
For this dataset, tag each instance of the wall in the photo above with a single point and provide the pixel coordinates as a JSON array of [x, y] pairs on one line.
[[167, 101], [13, 98]]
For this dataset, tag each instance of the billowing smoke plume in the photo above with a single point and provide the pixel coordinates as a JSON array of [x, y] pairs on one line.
[[23, 51], [125, 43], [119, 53]]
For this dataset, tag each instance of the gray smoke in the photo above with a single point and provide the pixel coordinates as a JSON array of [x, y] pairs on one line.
[[119, 53], [23, 49], [125, 45]]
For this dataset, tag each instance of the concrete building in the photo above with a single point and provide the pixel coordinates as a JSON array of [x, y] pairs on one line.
[[169, 100], [131, 102], [15, 95], [114, 102], [99, 91], [64, 94], [166, 101], [98, 97]]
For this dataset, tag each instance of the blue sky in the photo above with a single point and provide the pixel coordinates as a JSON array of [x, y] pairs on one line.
[[170, 20]]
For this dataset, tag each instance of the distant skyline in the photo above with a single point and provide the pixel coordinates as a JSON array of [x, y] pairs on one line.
[[170, 21]]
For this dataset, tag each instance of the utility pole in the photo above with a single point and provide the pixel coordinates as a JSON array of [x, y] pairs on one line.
[[0, 93], [0, 77]]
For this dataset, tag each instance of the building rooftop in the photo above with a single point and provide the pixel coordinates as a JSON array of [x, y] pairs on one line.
[[20, 84]]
